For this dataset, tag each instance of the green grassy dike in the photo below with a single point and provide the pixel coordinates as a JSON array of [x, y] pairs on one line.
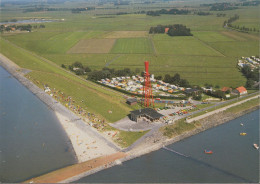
[[88, 96], [181, 126]]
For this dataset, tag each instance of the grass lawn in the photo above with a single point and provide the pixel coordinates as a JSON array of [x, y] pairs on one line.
[[210, 36], [237, 49], [182, 45], [132, 46], [247, 105], [179, 127]]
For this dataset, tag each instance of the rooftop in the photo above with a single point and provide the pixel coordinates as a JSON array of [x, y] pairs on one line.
[[147, 111]]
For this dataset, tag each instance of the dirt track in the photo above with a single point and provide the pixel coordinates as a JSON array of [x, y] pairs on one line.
[[73, 172]]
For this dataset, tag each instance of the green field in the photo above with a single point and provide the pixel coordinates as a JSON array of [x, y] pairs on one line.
[[132, 46], [186, 46], [209, 56]]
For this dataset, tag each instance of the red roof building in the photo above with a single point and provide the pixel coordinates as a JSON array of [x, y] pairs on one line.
[[225, 89], [241, 90], [166, 30]]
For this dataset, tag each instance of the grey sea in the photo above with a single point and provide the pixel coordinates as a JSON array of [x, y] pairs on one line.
[[32, 142], [234, 159]]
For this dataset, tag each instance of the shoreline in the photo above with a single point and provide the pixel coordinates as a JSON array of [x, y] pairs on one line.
[[73, 125], [83, 138], [148, 147]]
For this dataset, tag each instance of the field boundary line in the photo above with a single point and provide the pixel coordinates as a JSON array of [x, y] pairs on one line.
[[207, 45], [152, 45]]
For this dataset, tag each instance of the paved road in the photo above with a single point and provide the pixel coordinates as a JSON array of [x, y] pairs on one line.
[[220, 110]]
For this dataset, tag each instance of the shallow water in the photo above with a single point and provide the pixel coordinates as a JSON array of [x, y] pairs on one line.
[[32, 141], [234, 158]]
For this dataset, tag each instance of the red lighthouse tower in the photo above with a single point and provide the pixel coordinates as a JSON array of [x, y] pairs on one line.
[[147, 88]]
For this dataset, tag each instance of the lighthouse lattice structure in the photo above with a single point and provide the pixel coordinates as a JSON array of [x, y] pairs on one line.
[[147, 88]]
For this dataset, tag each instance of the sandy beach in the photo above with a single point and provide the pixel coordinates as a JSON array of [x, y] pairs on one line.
[[87, 142], [86, 145]]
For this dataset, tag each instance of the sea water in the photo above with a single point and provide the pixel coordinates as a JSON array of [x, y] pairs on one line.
[[32, 142], [234, 159]]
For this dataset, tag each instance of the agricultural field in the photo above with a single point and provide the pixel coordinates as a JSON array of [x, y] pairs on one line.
[[186, 46], [92, 46], [102, 38], [132, 46]]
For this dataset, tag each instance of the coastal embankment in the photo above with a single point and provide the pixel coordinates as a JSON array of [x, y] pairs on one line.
[[158, 140], [86, 141], [93, 151]]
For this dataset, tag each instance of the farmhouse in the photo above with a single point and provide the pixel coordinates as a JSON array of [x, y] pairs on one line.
[[166, 30], [241, 90], [226, 89], [148, 113]]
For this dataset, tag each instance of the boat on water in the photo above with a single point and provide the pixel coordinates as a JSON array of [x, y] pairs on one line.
[[208, 151], [243, 133], [256, 146], [241, 124]]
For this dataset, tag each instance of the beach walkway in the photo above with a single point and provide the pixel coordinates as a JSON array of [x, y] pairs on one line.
[[74, 172]]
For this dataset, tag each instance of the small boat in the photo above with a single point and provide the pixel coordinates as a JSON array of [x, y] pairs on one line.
[[256, 146], [241, 124], [243, 133], [208, 151]]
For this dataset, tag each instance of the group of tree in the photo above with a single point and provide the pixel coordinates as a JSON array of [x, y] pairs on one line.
[[243, 28], [221, 14], [174, 30], [230, 20], [79, 10], [230, 6], [118, 3], [201, 13], [217, 94], [73, 10], [223, 6], [251, 75], [40, 26], [176, 80], [78, 68], [173, 11], [8, 28], [251, 3], [109, 73]]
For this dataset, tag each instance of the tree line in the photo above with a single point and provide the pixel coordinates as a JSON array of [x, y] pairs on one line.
[[252, 76], [237, 27], [173, 11], [174, 30], [176, 80], [73, 10], [78, 68], [109, 73], [27, 27]]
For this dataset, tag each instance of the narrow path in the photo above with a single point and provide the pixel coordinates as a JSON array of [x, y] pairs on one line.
[[112, 60], [74, 172]]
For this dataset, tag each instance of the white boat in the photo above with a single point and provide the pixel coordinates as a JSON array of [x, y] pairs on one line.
[[256, 146]]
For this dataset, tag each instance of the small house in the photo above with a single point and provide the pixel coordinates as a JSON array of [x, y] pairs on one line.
[[226, 89], [241, 90]]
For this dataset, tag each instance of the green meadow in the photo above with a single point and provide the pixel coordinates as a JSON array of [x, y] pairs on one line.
[[209, 56], [132, 46]]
